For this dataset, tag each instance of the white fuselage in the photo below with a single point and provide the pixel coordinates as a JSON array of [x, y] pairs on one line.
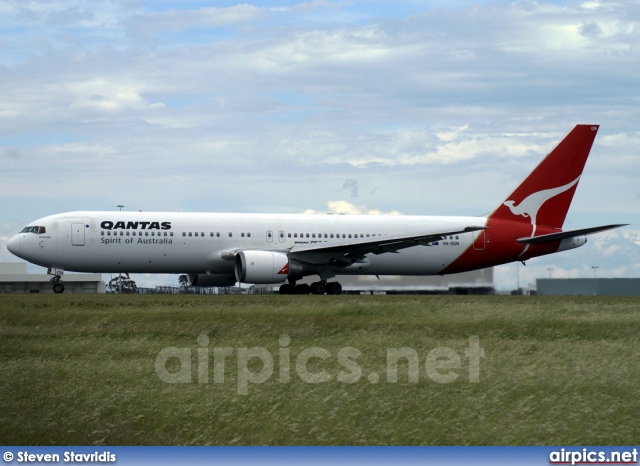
[[155, 242]]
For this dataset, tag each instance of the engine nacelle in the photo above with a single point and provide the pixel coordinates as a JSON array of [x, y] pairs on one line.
[[208, 280], [261, 267]]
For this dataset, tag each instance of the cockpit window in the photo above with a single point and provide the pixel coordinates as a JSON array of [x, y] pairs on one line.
[[36, 230]]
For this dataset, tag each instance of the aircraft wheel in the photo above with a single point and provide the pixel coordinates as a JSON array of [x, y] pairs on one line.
[[58, 288], [334, 288], [318, 288], [286, 288], [302, 289]]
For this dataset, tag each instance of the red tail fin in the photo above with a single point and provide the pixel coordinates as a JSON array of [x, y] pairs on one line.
[[543, 198]]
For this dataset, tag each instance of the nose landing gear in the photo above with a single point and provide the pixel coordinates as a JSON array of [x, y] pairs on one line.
[[58, 287]]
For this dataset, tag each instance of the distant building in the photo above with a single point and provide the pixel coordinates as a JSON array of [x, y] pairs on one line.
[[588, 287], [474, 282], [15, 279]]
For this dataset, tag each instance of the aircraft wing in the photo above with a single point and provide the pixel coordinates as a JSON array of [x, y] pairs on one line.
[[566, 234], [352, 250]]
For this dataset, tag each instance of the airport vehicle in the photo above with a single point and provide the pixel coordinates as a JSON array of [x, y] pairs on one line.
[[219, 249]]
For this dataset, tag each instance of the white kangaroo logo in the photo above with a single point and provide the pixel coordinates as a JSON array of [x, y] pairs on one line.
[[530, 206]]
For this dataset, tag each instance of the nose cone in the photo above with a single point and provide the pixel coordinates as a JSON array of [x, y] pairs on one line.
[[14, 245]]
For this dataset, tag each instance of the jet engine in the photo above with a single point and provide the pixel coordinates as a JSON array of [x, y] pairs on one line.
[[207, 280], [264, 267]]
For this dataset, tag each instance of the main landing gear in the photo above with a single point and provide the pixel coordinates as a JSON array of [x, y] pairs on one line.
[[315, 288]]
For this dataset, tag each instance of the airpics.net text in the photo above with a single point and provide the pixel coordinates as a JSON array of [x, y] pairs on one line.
[[256, 365]]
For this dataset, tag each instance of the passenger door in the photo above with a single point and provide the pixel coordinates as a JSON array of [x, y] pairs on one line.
[[77, 234]]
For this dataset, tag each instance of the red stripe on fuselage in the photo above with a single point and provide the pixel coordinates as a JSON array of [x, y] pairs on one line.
[[501, 247]]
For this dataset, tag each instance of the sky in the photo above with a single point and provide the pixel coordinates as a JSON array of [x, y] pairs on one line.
[[361, 107]]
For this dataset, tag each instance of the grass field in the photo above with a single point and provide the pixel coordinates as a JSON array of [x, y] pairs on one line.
[[82, 370]]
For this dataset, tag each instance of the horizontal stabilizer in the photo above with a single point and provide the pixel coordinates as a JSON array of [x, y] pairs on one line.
[[566, 234]]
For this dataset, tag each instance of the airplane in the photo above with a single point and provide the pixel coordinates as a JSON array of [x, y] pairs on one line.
[[221, 249]]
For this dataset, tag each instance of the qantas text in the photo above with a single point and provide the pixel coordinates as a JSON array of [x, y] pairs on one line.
[[108, 225]]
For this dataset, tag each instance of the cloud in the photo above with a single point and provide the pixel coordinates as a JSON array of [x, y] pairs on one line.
[[318, 4], [69, 16], [13, 154], [351, 185], [347, 208], [99, 95], [183, 19]]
